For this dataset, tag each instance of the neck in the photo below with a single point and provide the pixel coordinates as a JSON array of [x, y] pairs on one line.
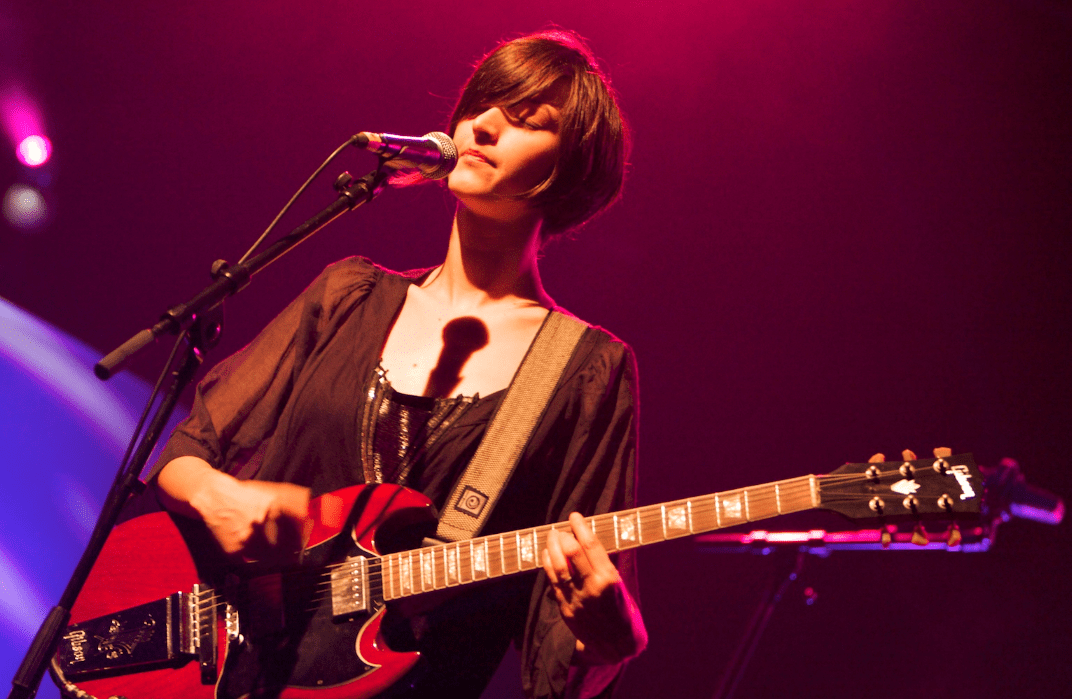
[[489, 260]]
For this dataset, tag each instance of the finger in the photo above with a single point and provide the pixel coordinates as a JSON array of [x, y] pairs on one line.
[[595, 554], [293, 500], [556, 556]]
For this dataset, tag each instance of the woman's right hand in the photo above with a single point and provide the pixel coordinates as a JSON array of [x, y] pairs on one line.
[[254, 520]]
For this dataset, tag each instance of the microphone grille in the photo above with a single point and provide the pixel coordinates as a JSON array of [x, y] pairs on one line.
[[450, 155]]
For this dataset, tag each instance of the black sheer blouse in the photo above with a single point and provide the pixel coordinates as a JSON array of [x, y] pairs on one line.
[[292, 406]]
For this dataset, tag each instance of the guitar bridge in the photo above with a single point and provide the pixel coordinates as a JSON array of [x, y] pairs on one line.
[[167, 632], [349, 587]]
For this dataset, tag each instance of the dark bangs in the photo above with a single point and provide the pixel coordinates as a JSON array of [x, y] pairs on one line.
[[590, 169]]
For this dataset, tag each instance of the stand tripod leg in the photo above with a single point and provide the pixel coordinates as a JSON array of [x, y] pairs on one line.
[[788, 571]]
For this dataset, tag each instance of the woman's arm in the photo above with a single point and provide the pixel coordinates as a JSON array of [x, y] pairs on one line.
[[256, 520]]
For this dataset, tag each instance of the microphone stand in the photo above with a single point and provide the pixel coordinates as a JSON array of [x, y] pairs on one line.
[[817, 542], [200, 319]]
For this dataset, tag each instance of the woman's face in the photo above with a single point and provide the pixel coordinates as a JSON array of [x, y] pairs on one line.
[[504, 152]]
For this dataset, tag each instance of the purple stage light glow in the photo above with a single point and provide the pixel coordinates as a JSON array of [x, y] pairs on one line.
[[20, 116], [24, 207], [34, 151]]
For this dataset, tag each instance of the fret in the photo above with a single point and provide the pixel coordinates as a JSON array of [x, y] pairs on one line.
[[777, 498], [502, 556], [405, 563], [479, 552], [427, 563], [465, 561], [389, 576], [494, 559], [641, 539], [718, 512], [731, 510], [526, 549], [814, 487], [626, 531], [450, 565], [747, 514], [675, 519], [688, 514]]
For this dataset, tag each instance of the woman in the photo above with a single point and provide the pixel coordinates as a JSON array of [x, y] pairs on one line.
[[373, 376]]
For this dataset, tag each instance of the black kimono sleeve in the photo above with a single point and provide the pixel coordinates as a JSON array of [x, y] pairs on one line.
[[593, 434], [238, 403]]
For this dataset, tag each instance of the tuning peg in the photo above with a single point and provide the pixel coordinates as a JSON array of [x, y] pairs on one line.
[[942, 452], [886, 537], [953, 536], [919, 535], [908, 455], [877, 459]]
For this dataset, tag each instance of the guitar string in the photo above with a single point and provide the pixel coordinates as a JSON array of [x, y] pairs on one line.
[[646, 517]]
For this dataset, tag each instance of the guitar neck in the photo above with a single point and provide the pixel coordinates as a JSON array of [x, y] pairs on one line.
[[449, 565]]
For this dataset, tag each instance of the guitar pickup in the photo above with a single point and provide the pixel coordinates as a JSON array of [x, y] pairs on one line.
[[349, 587]]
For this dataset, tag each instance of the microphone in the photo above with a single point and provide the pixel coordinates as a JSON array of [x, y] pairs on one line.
[[434, 154]]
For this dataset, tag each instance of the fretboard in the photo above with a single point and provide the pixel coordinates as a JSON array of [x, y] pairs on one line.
[[496, 555]]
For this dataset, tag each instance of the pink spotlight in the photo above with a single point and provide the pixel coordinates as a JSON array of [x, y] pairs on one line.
[[34, 151]]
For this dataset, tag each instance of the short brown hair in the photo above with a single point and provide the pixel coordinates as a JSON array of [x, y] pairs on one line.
[[590, 169]]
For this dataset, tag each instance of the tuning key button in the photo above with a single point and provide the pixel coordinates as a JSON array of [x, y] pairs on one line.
[[919, 536], [907, 471], [886, 537], [876, 505], [953, 536], [945, 502]]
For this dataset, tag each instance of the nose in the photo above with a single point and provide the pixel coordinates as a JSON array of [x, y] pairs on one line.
[[487, 124]]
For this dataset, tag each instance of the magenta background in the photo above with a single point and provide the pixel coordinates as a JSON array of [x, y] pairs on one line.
[[846, 230]]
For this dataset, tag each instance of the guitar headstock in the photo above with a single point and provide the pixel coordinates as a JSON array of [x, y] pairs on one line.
[[946, 487]]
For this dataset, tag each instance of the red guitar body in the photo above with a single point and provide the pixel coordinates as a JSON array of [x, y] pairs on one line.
[[308, 654]]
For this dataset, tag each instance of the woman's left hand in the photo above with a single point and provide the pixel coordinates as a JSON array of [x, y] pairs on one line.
[[594, 601]]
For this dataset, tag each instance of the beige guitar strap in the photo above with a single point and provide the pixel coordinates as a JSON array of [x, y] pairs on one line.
[[474, 497]]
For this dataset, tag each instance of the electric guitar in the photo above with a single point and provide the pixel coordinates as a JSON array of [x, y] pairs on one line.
[[150, 624]]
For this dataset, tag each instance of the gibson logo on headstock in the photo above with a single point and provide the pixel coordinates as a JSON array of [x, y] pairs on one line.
[[963, 476]]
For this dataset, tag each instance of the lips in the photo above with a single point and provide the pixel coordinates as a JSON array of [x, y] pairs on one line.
[[477, 155]]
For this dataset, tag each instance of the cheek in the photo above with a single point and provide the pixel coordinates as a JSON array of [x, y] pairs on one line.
[[540, 166]]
